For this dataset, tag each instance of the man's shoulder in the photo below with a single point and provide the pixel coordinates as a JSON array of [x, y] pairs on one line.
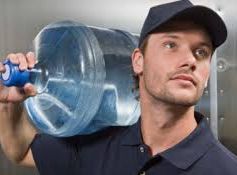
[[101, 137], [221, 160], [112, 132], [226, 155]]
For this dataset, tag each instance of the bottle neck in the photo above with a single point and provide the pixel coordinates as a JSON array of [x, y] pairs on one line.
[[39, 78]]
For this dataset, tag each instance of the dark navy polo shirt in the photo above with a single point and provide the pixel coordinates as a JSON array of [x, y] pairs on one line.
[[121, 151]]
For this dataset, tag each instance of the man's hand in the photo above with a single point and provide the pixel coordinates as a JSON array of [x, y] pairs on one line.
[[16, 133], [14, 94]]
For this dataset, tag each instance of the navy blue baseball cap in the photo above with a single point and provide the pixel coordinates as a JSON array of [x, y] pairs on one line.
[[204, 16]]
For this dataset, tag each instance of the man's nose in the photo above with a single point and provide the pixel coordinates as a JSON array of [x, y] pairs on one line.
[[189, 60]]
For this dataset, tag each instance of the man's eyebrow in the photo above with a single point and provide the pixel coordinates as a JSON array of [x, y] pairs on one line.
[[170, 35], [206, 44], [174, 36]]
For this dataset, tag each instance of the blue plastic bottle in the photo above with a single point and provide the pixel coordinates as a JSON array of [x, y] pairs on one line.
[[83, 78]]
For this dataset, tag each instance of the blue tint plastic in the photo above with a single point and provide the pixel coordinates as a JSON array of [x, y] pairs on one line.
[[83, 77], [13, 76]]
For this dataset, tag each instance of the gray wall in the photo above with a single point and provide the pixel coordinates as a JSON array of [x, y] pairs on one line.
[[21, 20]]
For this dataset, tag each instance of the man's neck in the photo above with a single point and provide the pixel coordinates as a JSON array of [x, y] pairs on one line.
[[164, 126]]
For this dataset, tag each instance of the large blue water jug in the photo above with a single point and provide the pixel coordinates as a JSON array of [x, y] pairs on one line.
[[83, 77]]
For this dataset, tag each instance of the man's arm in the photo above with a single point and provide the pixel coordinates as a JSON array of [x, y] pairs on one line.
[[16, 132]]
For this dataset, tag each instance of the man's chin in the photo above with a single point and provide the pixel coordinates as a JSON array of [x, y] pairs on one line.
[[183, 100], [187, 103]]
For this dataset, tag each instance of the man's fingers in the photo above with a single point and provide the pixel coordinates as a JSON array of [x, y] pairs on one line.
[[22, 61], [30, 58], [15, 94], [2, 68], [29, 90], [13, 58]]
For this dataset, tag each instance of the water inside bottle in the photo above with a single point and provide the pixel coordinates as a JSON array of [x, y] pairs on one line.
[[83, 78]]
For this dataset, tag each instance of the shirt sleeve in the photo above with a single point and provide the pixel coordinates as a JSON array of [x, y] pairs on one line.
[[53, 155]]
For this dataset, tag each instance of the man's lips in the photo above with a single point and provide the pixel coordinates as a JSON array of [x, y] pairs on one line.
[[185, 77]]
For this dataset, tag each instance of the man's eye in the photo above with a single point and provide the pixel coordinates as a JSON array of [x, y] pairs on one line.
[[202, 53], [170, 45]]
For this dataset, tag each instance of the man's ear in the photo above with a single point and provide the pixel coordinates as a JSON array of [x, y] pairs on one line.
[[137, 61]]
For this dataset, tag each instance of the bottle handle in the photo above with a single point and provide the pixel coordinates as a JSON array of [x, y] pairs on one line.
[[13, 76]]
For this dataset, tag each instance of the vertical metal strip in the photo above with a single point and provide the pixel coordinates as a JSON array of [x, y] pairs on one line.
[[214, 97]]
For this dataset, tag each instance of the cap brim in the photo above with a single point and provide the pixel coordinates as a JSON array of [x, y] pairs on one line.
[[206, 17]]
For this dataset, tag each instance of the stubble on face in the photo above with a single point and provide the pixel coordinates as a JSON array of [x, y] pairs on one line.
[[169, 96], [159, 86]]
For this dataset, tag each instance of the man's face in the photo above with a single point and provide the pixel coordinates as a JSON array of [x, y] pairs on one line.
[[175, 66]]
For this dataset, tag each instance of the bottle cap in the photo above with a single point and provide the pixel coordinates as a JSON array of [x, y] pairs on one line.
[[13, 76]]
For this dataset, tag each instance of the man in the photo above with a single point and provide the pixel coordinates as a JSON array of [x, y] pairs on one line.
[[172, 65]]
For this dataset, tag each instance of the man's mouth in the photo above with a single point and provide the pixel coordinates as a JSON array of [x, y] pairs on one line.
[[185, 77]]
